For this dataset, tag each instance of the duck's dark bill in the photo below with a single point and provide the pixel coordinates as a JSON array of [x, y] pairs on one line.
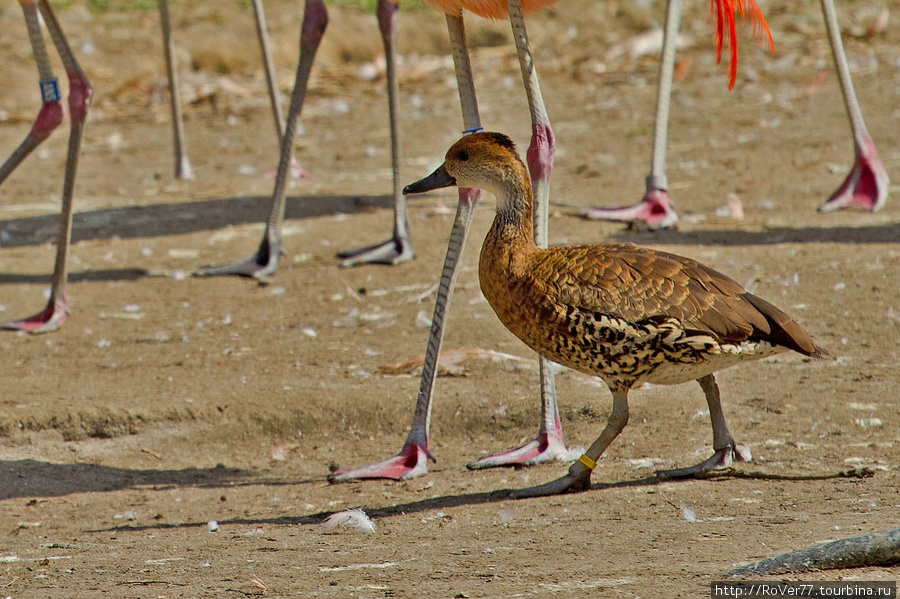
[[436, 180]]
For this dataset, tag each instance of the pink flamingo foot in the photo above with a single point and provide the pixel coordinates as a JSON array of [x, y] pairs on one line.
[[185, 172], [296, 171], [867, 184], [654, 211], [545, 448], [46, 321], [412, 461]]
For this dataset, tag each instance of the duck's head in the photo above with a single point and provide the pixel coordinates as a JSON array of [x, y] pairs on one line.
[[485, 161]]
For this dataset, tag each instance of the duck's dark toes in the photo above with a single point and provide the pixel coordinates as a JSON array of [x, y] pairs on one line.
[[564, 484], [721, 459]]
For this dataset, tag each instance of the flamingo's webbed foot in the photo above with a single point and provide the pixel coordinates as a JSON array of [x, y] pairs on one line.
[[866, 185], [654, 211], [294, 170], [412, 461], [261, 265], [545, 448], [394, 251], [46, 321]]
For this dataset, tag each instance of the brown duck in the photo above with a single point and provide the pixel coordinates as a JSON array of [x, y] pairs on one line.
[[627, 314]]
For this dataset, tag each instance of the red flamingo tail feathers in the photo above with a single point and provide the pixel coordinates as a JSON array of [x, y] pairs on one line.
[[724, 12]]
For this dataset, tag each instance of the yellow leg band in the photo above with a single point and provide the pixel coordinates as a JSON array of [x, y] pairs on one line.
[[587, 461]]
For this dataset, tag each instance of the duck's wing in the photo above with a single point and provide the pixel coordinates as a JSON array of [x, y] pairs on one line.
[[638, 284]]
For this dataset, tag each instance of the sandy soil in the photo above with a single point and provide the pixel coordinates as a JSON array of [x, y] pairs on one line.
[[166, 402]]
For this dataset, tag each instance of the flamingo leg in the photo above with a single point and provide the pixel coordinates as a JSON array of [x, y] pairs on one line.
[[183, 168], [51, 113], [413, 458], [726, 450], [867, 183], [265, 46], [578, 478], [655, 210], [80, 92], [398, 248], [549, 443], [264, 262]]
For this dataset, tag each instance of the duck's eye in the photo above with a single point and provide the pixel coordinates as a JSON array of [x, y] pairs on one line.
[[463, 155]]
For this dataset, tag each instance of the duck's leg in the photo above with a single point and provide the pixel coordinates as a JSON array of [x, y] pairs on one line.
[[726, 449], [183, 169], [80, 92], [413, 458], [398, 248], [265, 261], [655, 210], [549, 443], [867, 184], [578, 478]]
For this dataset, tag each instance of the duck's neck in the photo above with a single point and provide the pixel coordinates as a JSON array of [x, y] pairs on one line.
[[514, 211]]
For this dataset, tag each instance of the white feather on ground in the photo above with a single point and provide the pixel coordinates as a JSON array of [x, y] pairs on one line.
[[355, 519]]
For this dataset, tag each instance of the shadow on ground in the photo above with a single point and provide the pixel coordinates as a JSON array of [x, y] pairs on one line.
[[466, 499], [177, 219], [31, 478], [208, 215], [887, 233]]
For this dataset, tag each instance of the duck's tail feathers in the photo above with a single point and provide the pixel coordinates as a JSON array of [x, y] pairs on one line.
[[784, 330]]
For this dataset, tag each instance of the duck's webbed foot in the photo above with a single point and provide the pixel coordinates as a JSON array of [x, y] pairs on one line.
[[578, 478], [721, 459]]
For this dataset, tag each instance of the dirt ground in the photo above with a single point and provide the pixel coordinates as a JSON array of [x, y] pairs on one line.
[[167, 402]]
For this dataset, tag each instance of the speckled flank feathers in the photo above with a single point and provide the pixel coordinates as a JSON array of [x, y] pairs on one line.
[[629, 314]]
